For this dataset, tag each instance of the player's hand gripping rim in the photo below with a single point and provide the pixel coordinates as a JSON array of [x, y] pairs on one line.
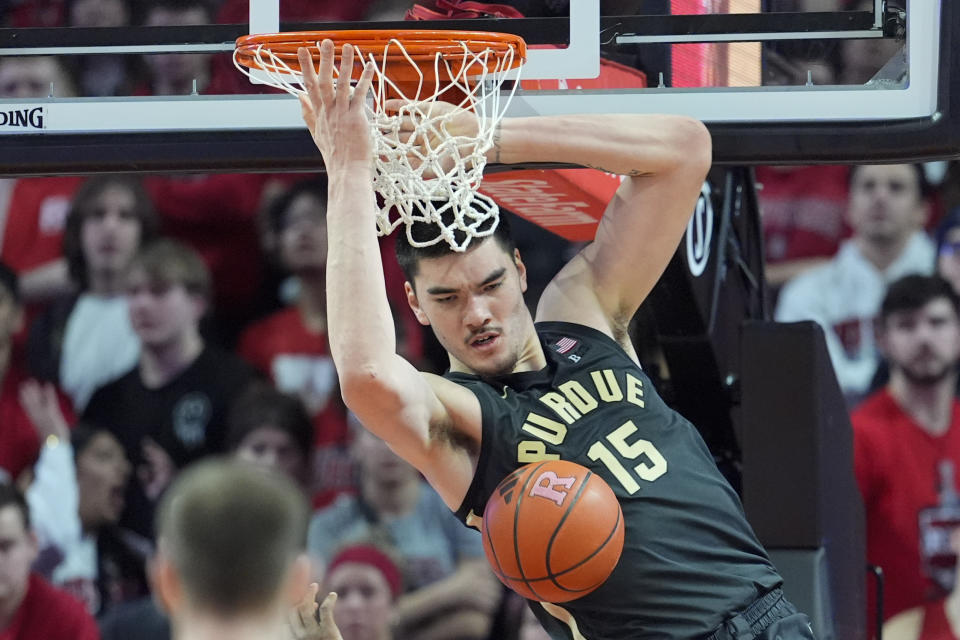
[[335, 115]]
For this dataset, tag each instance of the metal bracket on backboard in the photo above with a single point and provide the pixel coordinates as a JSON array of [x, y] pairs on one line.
[[580, 59]]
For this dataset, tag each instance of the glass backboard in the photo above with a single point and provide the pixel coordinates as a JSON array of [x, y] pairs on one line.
[[776, 81]]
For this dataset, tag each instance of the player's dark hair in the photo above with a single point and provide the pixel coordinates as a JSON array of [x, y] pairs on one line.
[[262, 405], [409, 256], [84, 206], [913, 292], [10, 496], [232, 531], [10, 281]]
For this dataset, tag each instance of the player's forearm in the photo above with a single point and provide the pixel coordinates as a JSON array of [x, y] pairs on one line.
[[361, 329], [627, 144]]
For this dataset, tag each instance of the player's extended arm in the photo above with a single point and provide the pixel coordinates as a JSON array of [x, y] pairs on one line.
[[664, 159], [387, 393]]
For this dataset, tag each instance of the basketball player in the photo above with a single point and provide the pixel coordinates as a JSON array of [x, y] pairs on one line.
[[230, 560], [568, 386]]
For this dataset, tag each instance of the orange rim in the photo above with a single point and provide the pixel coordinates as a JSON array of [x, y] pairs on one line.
[[421, 46]]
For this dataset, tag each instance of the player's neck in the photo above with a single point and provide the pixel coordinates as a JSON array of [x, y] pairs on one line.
[[930, 406], [160, 363], [200, 627], [532, 357]]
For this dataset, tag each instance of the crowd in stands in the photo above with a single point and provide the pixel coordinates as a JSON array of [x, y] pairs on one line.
[[149, 322]]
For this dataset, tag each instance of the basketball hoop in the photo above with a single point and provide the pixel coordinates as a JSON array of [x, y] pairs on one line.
[[438, 184]]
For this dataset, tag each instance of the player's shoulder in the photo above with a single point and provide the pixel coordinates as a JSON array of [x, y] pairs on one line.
[[572, 341]]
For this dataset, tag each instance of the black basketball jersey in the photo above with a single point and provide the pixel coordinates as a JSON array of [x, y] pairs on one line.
[[689, 556]]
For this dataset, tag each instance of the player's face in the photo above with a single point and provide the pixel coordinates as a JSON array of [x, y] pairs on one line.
[[474, 303], [102, 474], [923, 344], [272, 448], [363, 603], [161, 313], [110, 233], [18, 549], [885, 203], [303, 241]]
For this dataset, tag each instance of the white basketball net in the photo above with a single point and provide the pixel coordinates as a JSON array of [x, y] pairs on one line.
[[435, 182]]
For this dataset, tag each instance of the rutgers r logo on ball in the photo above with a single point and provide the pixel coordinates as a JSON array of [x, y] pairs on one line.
[[544, 487]]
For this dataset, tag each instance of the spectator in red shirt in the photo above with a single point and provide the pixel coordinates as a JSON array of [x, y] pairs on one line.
[[30, 608], [290, 346], [907, 444], [19, 444], [33, 211], [934, 620], [803, 217]]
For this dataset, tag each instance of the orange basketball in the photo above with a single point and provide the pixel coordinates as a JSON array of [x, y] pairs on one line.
[[553, 531]]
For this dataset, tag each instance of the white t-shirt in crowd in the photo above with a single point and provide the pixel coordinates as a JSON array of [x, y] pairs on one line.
[[99, 345], [844, 296]]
